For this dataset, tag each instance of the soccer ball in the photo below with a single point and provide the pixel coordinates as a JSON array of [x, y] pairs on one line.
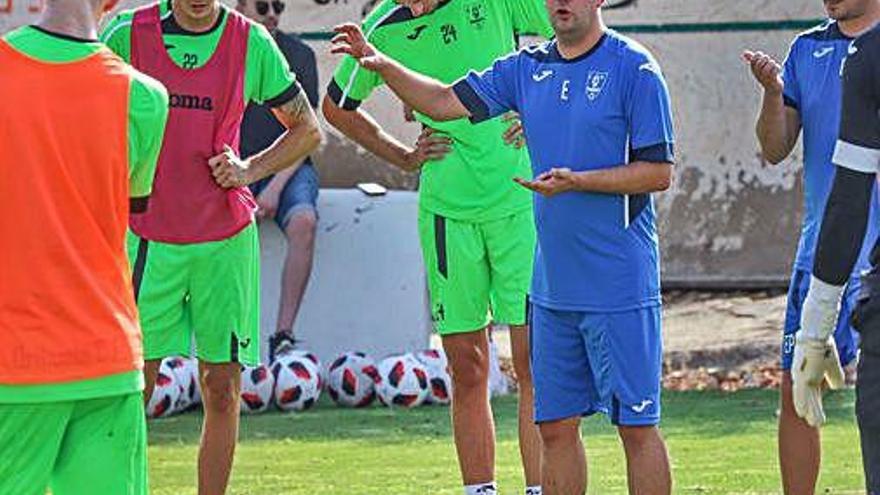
[[186, 373], [403, 381], [322, 373], [441, 386], [297, 383], [498, 381], [193, 387], [439, 381], [352, 380], [166, 393], [257, 387], [433, 358]]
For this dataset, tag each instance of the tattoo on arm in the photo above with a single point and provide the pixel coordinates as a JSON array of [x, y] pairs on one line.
[[295, 111], [303, 136]]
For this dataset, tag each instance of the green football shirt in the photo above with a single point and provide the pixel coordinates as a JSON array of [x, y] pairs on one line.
[[267, 79], [474, 182], [147, 114]]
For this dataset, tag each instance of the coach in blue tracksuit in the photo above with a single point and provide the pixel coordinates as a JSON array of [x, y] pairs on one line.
[[596, 116]]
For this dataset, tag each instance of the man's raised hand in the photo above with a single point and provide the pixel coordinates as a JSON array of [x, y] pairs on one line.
[[766, 71], [350, 40]]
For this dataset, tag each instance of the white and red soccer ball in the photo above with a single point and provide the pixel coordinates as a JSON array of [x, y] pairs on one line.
[[352, 379], [166, 393], [311, 356], [297, 382], [257, 389], [439, 380], [403, 381], [186, 372], [432, 358]]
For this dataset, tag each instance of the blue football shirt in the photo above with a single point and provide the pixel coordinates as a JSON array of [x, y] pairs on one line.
[[607, 108], [813, 88]]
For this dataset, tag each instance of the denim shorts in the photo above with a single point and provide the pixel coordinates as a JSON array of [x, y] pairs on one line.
[[300, 194]]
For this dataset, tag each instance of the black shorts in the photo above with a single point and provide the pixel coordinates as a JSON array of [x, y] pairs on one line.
[[866, 319], [868, 412], [866, 316]]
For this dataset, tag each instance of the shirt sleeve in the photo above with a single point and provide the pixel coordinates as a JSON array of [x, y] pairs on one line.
[[530, 17], [352, 84], [858, 147], [791, 93], [649, 114], [117, 35], [148, 113], [489, 93], [270, 79]]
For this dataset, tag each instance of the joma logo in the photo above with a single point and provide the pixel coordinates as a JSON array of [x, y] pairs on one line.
[[191, 102]]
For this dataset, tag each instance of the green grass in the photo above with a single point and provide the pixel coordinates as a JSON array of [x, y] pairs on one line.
[[719, 443]]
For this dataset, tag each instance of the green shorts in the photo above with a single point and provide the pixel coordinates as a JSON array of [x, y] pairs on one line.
[[88, 447], [209, 290], [477, 272]]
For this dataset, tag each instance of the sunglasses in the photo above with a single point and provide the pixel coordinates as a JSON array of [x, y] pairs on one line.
[[263, 7]]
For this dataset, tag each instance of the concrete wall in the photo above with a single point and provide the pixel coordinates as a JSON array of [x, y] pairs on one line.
[[729, 217], [368, 289]]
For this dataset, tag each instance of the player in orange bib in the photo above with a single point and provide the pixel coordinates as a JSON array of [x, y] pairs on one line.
[[81, 133]]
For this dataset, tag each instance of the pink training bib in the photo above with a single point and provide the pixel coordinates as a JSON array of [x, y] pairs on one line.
[[207, 106]]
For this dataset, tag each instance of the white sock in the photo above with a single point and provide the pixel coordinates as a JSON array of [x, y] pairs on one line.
[[534, 490], [481, 489]]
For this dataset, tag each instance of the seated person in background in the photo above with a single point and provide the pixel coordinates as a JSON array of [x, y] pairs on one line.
[[289, 197]]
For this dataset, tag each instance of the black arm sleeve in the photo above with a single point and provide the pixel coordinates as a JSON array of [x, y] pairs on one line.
[[859, 145], [843, 226], [857, 157]]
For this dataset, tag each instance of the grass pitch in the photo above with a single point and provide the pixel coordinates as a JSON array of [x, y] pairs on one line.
[[719, 443]]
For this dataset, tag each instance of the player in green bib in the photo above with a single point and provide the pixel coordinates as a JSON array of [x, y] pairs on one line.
[[475, 224], [195, 253], [80, 436]]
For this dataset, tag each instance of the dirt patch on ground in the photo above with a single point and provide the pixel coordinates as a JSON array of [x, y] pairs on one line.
[[722, 341]]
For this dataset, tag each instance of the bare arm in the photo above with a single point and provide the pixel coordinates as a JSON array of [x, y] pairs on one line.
[[360, 127], [777, 128], [430, 97], [302, 137], [778, 125], [634, 178]]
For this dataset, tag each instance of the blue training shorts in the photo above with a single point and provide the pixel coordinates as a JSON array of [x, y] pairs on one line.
[[584, 363], [845, 335]]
